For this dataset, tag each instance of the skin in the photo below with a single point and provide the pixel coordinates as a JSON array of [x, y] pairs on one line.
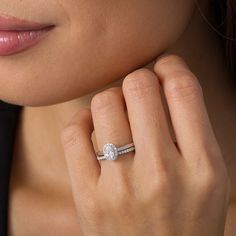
[[42, 180], [88, 31]]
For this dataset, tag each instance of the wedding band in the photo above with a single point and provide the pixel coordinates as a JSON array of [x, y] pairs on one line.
[[111, 152]]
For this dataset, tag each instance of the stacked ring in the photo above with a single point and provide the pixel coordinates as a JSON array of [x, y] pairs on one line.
[[111, 152]]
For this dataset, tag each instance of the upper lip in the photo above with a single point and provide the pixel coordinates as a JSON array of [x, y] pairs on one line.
[[11, 23]]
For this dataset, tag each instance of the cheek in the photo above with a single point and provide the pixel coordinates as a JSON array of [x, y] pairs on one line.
[[97, 45]]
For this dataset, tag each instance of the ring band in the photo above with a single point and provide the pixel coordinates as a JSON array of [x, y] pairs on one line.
[[111, 152]]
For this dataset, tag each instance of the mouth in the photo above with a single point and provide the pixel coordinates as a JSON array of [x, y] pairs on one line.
[[17, 35]]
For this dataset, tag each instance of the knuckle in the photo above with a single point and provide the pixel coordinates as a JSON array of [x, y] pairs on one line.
[[70, 135], [121, 195], [90, 207], [209, 184], [159, 166], [103, 100], [213, 183], [140, 83], [160, 191], [183, 85], [160, 185]]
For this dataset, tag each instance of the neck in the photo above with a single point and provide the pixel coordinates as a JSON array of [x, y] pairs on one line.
[[39, 160]]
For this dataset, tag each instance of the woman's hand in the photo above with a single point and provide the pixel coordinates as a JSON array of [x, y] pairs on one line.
[[161, 188]]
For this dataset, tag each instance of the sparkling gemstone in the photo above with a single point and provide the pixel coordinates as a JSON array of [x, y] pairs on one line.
[[110, 151]]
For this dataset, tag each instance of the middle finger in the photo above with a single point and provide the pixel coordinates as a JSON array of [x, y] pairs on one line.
[[146, 113]]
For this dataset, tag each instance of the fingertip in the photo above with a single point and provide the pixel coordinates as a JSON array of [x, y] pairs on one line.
[[166, 60], [162, 55]]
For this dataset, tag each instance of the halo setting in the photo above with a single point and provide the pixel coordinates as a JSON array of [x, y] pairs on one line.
[[110, 151]]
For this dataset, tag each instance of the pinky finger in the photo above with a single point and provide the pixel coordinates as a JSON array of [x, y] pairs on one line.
[[83, 167]]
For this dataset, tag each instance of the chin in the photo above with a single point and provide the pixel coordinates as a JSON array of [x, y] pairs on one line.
[[33, 87]]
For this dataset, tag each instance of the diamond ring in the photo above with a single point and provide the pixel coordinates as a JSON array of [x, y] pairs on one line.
[[110, 151]]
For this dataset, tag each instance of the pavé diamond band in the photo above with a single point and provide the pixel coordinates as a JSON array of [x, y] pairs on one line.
[[110, 151]]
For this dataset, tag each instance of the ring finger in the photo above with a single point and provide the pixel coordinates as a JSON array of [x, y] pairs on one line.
[[111, 125]]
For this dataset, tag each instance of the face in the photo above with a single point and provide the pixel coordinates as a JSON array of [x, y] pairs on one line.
[[92, 44]]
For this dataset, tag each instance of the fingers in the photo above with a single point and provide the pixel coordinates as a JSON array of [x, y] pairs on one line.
[[184, 96], [83, 167], [111, 125], [146, 114]]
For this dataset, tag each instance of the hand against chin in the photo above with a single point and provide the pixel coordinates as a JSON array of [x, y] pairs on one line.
[[162, 188]]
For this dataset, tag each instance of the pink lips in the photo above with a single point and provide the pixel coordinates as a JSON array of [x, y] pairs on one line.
[[17, 35]]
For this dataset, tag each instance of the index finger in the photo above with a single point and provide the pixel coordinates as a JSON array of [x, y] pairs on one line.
[[188, 111]]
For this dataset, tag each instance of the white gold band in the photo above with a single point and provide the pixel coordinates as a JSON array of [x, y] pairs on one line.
[[111, 152]]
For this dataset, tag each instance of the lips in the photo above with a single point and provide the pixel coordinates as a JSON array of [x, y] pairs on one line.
[[17, 35]]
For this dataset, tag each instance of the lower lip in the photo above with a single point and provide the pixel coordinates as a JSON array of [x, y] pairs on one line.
[[12, 42]]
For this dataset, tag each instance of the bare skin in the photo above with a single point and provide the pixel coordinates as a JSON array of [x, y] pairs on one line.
[[40, 168]]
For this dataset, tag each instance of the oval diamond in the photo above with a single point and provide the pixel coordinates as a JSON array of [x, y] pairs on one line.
[[110, 151]]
